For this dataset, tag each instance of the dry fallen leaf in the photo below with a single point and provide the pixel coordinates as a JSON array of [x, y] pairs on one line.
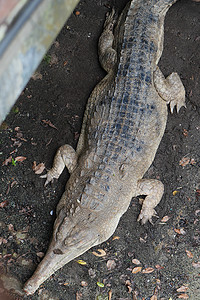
[[84, 283], [110, 295], [20, 158], [7, 161], [115, 237], [38, 169], [184, 161], [196, 265], [183, 288], [100, 254], [189, 254], [40, 254], [136, 261], [197, 212], [4, 204], [129, 289], [36, 76], [183, 296], [165, 219], [48, 122], [180, 231], [148, 270], [111, 264], [154, 297], [185, 132], [158, 267], [78, 295], [11, 227], [136, 270]]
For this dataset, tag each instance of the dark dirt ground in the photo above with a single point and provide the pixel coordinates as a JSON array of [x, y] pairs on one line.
[[59, 93]]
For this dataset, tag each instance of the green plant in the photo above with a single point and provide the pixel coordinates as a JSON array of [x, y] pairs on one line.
[[47, 58], [14, 162]]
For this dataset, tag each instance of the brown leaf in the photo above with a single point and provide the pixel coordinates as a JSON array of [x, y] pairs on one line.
[[13, 183], [84, 283], [189, 254], [185, 132], [111, 264], [110, 295], [183, 296], [115, 237], [154, 297], [158, 267], [11, 227], [100, 254], [180, 231], [136, 261], [48, 122], [165, 219], [183, 288], [78, 295], [36, 76], [4, 204], [184, 161], [20, 158], [136, 270], [38, 169], [7, 161], [197, 212], [148, 270], [196, 265], [40, 254]]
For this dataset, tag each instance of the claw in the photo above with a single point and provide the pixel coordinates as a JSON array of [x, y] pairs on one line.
[[49, 177], [147, 215], [178, 103]]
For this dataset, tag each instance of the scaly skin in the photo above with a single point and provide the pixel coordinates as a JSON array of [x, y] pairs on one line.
[[124, 122]]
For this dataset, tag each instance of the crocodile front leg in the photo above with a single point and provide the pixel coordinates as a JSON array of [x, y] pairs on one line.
[[170, 89], [153, 189], [107, 55], [65, 156]]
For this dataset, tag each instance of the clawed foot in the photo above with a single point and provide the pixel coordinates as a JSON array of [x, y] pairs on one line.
[[110, 19], [146, 215], [178, 92], [170, 89], [50, 176]]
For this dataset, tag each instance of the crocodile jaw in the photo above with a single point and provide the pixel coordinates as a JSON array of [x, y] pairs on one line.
[[54, 260]]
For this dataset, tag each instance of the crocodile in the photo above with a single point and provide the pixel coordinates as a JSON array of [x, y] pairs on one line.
[[123, 124]]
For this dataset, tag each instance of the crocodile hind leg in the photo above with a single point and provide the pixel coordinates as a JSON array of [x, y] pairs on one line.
[[65, 156], [170, 89], [107, 55], [153, 189]]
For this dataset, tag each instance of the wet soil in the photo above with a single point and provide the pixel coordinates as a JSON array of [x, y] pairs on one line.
[[168, 251]]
